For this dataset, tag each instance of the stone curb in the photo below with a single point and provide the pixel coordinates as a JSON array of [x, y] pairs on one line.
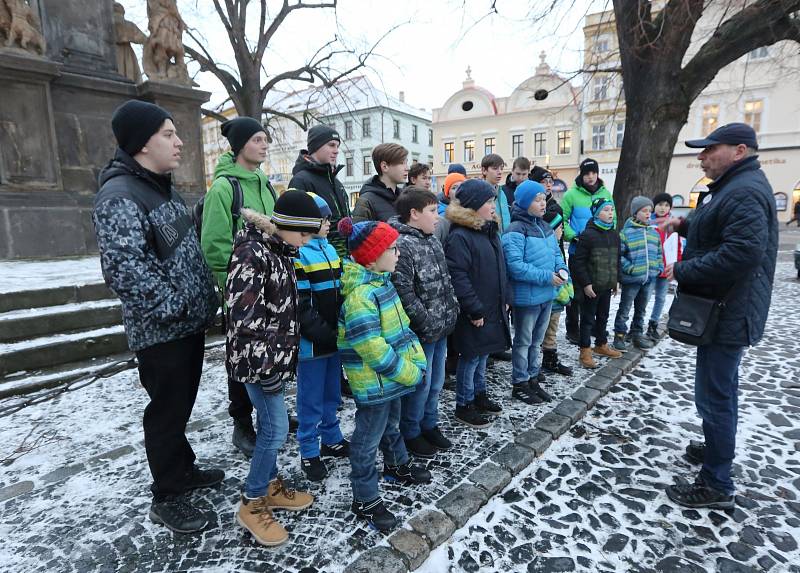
[[432, 527]]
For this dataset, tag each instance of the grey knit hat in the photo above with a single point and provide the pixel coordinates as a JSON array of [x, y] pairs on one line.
[[640, 202]]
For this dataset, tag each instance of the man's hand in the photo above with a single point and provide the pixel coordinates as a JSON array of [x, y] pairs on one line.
[[477, 323], [556, 280], [669, 271], [589, 291], [671, 224]]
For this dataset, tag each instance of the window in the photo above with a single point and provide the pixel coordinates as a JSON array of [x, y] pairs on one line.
[[348, 130], [349, 166], [414, 135], [332, 125], [366, 129], [396, 128], [752, 114], [467, 105], [710, 118], [489, 144], [539, 144], [601, 87], [430, 137], [469, 150], [758, 53], [598, 137], [367, 164], [565, 142], [620, 133], [449, 152], [517, 145], [601, 45]]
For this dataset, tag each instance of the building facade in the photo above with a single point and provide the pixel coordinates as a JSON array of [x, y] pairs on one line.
[[473, 123], [759, 89]]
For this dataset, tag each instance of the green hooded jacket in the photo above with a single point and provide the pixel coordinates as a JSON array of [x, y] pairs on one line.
[[216, 238]]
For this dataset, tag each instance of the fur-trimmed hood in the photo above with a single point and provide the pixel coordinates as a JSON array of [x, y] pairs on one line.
[[464, 217], [259, 227]]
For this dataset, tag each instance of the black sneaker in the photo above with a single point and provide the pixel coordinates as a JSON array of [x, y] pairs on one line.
[[406, 474], [178, 515], [340, 450], [244, 436], [699, 494], [314, 468], [523, 393], [696, 452], [377, 516], [198, 478], [420, 447], [486, 406], [437, 439], [652, 331], [537, 390], [470, 416]]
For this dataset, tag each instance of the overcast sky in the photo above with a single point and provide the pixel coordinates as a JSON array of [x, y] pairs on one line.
[[427, 55]]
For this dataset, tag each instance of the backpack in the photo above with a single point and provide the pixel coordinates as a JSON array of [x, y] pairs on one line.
[[236, 206]]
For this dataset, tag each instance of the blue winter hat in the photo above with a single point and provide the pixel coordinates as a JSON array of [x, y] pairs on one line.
[[473, 193], [324, 208], [456, 168], [526, 193]]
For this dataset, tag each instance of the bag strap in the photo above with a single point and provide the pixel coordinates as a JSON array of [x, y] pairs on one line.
[[237, 203]]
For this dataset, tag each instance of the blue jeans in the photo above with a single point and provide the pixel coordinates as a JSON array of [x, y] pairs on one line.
[[530, 324], [376, 425], [470, 378], [661, 288], [420, 409], [318, 397], [273, 427], [716, 383], [636, 294]]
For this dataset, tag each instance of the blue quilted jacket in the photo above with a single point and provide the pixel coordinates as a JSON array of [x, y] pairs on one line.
[[532, 256]]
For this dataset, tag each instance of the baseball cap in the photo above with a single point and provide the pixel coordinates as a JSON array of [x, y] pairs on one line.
[[729, 134]]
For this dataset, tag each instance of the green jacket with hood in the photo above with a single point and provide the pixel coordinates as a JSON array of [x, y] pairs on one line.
[[216, 238], [576, 205]]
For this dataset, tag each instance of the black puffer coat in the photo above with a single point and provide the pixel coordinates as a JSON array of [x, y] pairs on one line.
[[733, 236], [478, 272], [376, 202]]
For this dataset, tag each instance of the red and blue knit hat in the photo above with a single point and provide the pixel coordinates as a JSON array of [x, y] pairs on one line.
[[367, 240]]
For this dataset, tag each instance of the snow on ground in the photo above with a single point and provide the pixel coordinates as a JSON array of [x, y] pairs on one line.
[[30, 275], [61, 308], [8, 347]]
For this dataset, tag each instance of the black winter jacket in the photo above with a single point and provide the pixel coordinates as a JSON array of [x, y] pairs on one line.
[[308, 175], [733, 236], [478, 271], [375, 203], [422, 280], [150, 255], [596, 259]]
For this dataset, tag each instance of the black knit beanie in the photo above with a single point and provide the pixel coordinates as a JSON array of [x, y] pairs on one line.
[[474, 193], [539, 174], [589, 165], [297, 211], [238, 131], [319, 135], [135, 122]]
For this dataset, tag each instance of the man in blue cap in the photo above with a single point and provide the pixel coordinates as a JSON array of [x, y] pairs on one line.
[[731, 247]]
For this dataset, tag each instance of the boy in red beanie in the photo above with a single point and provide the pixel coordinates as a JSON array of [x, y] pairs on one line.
[[383, 360]]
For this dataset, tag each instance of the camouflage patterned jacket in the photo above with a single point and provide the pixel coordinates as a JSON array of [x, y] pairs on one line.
[[262, 314], [150, 255]]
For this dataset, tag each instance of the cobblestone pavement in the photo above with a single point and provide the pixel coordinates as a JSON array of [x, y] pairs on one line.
[[595, 500]]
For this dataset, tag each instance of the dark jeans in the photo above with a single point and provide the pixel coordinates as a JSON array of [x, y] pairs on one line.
[[376, 425], [716, 383], [594, 317], [170, 373], [572, 322], [420, 408], [636, 295]]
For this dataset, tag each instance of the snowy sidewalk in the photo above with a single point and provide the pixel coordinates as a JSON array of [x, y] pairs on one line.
[[595, 500], [33, 275]]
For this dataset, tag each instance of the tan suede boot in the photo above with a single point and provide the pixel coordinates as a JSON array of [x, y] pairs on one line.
[[256, 517], [586, 359], [606, 350], [281, 497]]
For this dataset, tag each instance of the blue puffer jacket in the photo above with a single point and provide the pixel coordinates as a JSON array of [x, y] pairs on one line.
[[733, 236], [532, 256], [640, 253]]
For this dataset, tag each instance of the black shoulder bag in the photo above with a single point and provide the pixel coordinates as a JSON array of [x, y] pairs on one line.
[[693, 319]]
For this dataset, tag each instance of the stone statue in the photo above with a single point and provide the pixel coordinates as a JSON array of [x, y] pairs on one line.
[[19, 26], [127, 33], [163, 56]]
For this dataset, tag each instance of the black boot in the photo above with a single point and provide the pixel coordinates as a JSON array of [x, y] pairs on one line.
[[699, 494], [340, 450], [652, 331], [314, 468], [244, 436], [486, 406], [376, 514], [198, 478], [696, 452], [551, 363], [470, 416], [406, 474], [178, 515], [420, 447], [538, 391], [522, 392], [437, 439]]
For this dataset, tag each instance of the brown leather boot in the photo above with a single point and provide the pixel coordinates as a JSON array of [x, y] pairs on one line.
[[586, 359], [281, 497], [256, 517], [606, 350]]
